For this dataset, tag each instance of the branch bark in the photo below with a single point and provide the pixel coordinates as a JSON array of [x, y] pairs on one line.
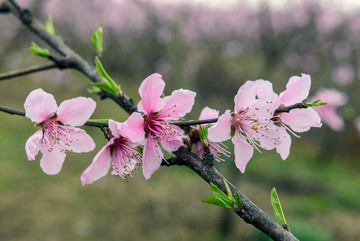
[[26, 71]]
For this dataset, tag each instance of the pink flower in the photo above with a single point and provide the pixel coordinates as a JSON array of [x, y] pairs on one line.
[[328, 113], [57, 133], [216, 149], [250, 126], [357, 124], [155, 125], [119, 152], [299, 120]]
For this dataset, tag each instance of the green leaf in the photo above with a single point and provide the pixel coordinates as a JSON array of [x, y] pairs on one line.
[[103, 86], [218, 193], [238, 200], [35, 49], [229, 194], [115, 89], [315, 103], [99, 120], [49, 26], [217, 201], [275, 202], [94, 90], [97, 40]]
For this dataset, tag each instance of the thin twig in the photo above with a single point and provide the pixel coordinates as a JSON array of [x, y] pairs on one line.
[[11, 111], [28, 70]]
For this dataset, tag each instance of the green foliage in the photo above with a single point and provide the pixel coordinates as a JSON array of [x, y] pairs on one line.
[[99, 120], [203, 133], [97, 40], [275, 202], [315, 103], [35, 49], [223, 200], [49, 26], [109, 84]]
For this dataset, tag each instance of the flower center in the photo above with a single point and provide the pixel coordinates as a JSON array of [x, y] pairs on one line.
[[55, 134], [125, 158]]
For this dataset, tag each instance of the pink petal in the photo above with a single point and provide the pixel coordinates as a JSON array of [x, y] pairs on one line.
[[115, 127], [331, 117], [178, 104], [133, 128], [208, 113], [301, 120], [245, 96], [173, 144], [243, 152], [152, 157], [264, 108], [51, 161], [284, 147], [99, 167], [39, 106], [263, 87], [297, 89], [76, 111], [150, 91], [32, 145], [222, 128], [80, 141]]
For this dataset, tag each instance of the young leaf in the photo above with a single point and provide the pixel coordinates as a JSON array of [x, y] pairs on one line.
[[275, 202], [49, 26], [229, 194], [103, 86], [315, 103], [35, 49], [217, 201], [115, 89], [99, 120], [97, 40], [218, 193], [238, 200]]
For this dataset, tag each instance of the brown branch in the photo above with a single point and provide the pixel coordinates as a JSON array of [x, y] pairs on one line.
[[28, 70], [251, 213]]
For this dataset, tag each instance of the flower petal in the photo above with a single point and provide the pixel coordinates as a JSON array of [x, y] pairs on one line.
[[178, 104], [245, 96], [301, 120], [152, 157], [331, 117], [76, 111], [99, 167], [263, 87], [208, 113], [51, 161], [284, 147], [243, 152], [150, 91], [133, 128], [172, 144], [114, 127], [32, 145], [222, 128], [78, 140], [297, 89], [39, 106]]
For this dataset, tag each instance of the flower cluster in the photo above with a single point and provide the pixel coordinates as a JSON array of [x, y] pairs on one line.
[[254, 124]]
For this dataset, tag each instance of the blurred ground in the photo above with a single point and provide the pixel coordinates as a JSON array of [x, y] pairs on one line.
[[211, 51]]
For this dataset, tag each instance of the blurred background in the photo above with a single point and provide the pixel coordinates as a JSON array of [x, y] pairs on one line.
[[211, 47]]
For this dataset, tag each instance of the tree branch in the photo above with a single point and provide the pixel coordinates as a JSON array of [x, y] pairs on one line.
[[28, 70], [251, 213]]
